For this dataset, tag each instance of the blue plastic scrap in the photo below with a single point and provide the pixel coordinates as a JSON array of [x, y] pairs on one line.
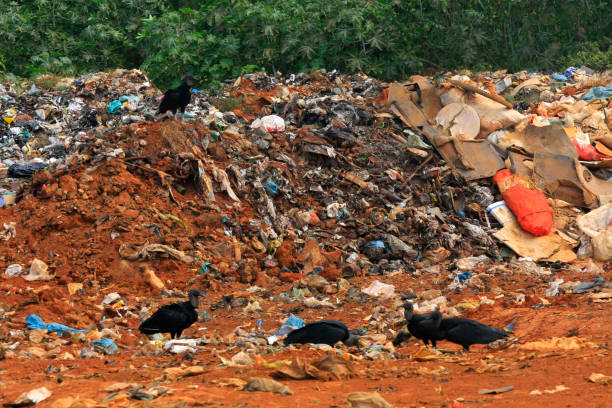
[[34, 322], [204, 268], [464, 276], [108, 344], [292, 323], [375, 244], [599, 92], [569, 73], [343, 214], [558, 77], [271, 187], [510, 328], [113, 107]]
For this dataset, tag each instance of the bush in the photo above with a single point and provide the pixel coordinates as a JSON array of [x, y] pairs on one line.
[[219, 39]]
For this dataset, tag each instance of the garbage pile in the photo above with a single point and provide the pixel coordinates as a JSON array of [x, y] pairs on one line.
[[313, 194]]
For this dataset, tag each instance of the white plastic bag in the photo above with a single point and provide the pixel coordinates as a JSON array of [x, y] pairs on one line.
[[596, 224], [271, 123], [379, 289]]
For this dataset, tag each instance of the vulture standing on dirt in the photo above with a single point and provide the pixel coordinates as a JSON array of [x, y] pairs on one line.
[[173, 318], [178, 97], [467, 332], [424, 327], [322, 332]]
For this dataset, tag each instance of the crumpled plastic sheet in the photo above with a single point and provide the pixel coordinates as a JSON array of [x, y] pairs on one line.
[[598, 92], [107, 345], [34, 322], [292, 323], [24, 170], [147, 250]]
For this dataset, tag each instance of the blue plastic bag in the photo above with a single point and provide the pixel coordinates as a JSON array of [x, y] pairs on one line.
[[34, 322], [292, 323], [569, 73], [204, 268], [375, 244], [599, 92], [108, 345], [113, 107], [271, 187], [464, 276], [558, 77]]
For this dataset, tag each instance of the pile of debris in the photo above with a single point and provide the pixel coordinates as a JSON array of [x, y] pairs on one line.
[[293, 190]]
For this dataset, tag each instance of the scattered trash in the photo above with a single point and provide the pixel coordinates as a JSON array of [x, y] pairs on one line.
[[483, 391], [596, 224], [13, 270], [268, 385], [174, 373], [366, 400], [34, 322], [599, 378], [114, 106], [344, 182], [325, 368], [271, 123], [292, 323], [379, 289], [238, 360], [555, 390], [24, 170], [105, 346], [38, 271], [31, 397], [9, 231]]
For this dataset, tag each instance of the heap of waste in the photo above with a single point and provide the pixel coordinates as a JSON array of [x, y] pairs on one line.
[[318, 192]]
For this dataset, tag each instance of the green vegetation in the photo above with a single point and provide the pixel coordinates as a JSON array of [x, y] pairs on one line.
[[219, 39]]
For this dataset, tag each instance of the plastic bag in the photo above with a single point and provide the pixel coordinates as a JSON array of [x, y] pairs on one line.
[[113, 107], [596, 225], [34, 322], [530, 206], [271, 123], [24, 170], [379, 289], [586, 151]]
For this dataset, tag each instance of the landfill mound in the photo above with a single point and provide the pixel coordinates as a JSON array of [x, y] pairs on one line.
[[323, 196]]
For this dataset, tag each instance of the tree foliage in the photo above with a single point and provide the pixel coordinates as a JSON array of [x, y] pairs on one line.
[[218, 39]]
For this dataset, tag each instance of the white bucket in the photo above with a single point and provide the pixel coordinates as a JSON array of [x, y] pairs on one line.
[[501, 212]]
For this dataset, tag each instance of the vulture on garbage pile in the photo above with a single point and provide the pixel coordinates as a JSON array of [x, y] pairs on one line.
[[425, 327], [173, 318], [179, 97]]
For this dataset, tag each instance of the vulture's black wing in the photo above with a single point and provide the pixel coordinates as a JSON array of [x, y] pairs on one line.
[[322, 332], [467, 332], [167, 319]]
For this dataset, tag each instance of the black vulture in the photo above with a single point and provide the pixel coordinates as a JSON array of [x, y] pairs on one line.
[[322, 332], [424, 327], [467, 332], [173, 318], [178, 97]]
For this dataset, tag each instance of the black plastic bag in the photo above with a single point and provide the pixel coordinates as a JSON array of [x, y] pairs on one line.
[[24, 170]]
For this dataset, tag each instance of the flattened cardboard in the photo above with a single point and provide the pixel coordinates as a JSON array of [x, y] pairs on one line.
[[541, 139]]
